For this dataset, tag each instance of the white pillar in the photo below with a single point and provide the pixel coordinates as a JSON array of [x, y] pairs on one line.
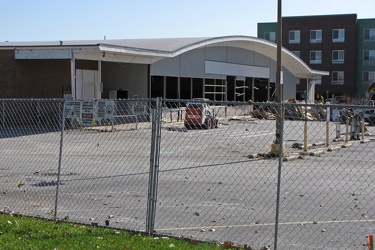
[[310, 90], [73, 75]]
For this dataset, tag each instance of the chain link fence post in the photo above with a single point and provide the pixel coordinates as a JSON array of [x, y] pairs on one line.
[[3, 114], [154, 166], [62, 125], [279, 172]]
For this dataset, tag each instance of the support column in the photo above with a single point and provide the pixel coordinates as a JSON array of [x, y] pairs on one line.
[[252, 89], [164, 87], [99, 88], [178, 87], [73, 75], [310, 90], [191, 88], [204, 88]]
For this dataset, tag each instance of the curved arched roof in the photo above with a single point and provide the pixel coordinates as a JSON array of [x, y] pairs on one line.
[[175, 46], [170, 47], [293, 63]]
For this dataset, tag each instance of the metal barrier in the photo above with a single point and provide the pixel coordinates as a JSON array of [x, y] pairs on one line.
[[188, 169]]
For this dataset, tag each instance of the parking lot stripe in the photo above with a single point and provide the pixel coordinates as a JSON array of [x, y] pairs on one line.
[[267, 224]]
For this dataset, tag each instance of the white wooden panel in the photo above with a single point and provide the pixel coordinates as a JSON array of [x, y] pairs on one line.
[[290, 83], [216, 54], [192, 63], [240, 56], [166, 67], [236, 69], [87, 84], [262, 60], [78, 87]]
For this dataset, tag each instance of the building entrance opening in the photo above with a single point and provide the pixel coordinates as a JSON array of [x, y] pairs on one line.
[[263, 91], [171, 87], [157, 86], [185, 88], [240, 90], [122, 94]]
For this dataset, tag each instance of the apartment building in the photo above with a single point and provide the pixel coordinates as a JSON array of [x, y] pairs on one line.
[[365, 54], [340, 44]]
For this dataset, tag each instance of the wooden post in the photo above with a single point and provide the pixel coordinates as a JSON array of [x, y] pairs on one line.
[[347, 131], [327, 134]]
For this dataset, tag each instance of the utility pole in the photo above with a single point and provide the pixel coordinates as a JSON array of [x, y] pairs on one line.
[[279, 81], [278, 147], [279, 73]]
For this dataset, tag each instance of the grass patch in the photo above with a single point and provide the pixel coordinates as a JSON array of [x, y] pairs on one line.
[[20, 232]]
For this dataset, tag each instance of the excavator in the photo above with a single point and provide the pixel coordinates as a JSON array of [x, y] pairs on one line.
[[366, 100], [369, 115]]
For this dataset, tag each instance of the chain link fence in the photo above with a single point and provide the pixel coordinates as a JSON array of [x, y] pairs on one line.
[[195, 169]]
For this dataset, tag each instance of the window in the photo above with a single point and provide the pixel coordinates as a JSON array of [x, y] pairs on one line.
[[338, 56], [315, 36], [338, 35], [338, 77], [369, 36], [297, 53], [294, 36], [315, 57], [369, 58], [367, 77], [270, 36], [318, 80]]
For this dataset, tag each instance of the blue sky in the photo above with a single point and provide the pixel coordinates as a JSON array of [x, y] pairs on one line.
[[43, 20]]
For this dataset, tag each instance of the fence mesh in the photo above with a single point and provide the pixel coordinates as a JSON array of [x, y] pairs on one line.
[[217, 170]]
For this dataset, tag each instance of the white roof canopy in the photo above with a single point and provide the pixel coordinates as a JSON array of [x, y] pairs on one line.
[[148, 51]]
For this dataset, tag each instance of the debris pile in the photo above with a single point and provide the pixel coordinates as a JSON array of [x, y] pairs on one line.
[[292, 112]]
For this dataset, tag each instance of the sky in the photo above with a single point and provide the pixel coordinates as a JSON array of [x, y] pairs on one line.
[[52, 20]]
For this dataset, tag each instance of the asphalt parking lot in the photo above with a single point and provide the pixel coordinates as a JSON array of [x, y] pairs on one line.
[[208, 189]]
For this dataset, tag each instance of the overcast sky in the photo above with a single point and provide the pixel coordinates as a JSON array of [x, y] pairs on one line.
[[44, 20]]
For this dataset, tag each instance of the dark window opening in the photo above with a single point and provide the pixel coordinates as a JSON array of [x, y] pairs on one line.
[[240, 90], [261, 90], [231, 87], [171, 87], [157, 86], [122, 94], [197, 88], [86, 64], [210, 89], [220, 90], [248, 89], [185, 88]]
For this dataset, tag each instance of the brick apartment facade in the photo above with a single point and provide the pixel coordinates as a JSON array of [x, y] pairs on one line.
[[325, 43]]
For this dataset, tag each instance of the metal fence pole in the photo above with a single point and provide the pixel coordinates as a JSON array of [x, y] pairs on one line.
[[3, 115], [60, 159], [328, 118], [281, 156], [154, 166], [363, 128], [305, 131]]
